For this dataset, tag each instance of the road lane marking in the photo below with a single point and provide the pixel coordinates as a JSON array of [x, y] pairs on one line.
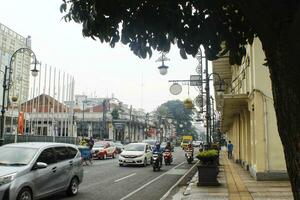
[[143, 186], [124, 177]]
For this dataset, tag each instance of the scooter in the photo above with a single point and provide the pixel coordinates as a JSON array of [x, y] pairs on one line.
[[168, 157], [156, 164], [189, 156]]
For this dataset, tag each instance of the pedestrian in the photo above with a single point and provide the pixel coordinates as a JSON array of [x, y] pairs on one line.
[[91, 145], [229, 149]]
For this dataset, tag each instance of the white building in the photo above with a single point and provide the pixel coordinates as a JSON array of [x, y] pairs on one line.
[[10, 41]]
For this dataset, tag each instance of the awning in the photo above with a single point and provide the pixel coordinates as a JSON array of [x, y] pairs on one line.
[[232, 104], [222, 67]]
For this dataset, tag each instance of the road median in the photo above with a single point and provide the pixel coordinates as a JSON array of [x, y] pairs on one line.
[[182, 181]]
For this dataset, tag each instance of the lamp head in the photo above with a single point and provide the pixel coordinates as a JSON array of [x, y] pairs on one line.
[[163, 69], [34, 72]]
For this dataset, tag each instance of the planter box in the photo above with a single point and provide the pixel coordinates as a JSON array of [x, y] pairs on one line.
[[207, 175]]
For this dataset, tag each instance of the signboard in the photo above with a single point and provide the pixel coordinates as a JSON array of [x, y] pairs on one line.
[[175, 89], [196, 80]]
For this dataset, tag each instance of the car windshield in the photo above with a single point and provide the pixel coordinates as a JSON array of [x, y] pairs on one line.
[[151, 142], [99, 145], [135, 147], [16, 156]]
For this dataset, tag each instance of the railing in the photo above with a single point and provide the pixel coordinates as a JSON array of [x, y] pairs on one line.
[[8, 138]]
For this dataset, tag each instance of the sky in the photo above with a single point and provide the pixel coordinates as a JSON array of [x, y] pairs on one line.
[[98, 69]]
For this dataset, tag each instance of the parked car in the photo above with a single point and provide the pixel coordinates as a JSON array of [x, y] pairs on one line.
[[104, 149], [150, 141], [136, 154], [36, 170], [119, 147]]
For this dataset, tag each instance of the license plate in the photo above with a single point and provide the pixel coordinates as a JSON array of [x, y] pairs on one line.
[[129, 160]]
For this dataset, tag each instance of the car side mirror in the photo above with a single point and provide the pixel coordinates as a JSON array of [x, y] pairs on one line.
[[40, 165]]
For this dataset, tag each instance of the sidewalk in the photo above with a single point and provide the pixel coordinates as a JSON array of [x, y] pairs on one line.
[[236, 184]]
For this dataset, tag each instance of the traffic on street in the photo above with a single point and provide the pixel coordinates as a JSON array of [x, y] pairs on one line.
[[108, 180]]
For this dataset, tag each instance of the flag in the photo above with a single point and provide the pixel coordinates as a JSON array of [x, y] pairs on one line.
[[21, 123]]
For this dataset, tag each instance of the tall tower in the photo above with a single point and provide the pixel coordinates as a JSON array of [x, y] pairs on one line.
[[10, 41]]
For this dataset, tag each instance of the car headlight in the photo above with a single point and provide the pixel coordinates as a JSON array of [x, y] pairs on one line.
[[7, 178]]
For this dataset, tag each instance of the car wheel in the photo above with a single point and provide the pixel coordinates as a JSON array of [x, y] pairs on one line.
[[73, 187], [145, 162], [25, 194]]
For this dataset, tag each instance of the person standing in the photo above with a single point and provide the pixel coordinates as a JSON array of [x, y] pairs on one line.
[[229, 149], [91, 145]]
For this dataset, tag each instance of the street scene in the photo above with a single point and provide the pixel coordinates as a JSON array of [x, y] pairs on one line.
[[149, 100], [106, 179]]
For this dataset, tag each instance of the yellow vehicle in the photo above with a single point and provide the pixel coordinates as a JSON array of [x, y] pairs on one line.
[[186, 139]]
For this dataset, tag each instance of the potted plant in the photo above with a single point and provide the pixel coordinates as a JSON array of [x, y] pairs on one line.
[[188, 104], [208, 168]]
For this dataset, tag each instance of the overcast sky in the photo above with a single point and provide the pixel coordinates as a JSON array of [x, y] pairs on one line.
[[97, 68]]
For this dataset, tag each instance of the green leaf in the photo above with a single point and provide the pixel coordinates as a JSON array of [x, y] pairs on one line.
[[63, 7], [183, 54]]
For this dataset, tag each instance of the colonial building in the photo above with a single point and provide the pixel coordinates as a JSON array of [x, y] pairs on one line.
[[248, 115]]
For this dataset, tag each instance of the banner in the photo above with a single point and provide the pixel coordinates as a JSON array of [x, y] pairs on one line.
[[21, 123]]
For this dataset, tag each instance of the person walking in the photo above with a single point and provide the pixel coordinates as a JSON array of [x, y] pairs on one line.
[[91, 145], [229, 149]]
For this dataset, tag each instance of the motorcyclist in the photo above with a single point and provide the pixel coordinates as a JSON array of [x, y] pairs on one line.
[[190, 148], [168, 147], [157, 149]]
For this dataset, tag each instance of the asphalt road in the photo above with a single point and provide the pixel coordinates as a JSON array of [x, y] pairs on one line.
[[106, 180]]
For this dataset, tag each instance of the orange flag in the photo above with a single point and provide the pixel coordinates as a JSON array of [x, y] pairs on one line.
[[21, 123]]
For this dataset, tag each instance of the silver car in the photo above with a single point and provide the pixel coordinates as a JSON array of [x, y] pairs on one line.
[[35, 170]]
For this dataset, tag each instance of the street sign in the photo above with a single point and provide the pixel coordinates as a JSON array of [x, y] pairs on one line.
[[195, 80], [175, 89]]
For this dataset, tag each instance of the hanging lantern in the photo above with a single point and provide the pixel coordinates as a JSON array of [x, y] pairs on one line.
[[188, 104], [14, 98]]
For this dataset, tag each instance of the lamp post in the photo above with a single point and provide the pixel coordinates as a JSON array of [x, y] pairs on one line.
[[176, 89], [7, 81]]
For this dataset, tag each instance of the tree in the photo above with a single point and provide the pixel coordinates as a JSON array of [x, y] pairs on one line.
[[115, 113], [221, 27], [175, 109]]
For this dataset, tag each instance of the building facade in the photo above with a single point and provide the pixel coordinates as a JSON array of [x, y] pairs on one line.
[[248, 116], [10, 41]]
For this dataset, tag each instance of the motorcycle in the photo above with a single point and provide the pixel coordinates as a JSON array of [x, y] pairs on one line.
[[189, 156], [156, 164], [168, 157]]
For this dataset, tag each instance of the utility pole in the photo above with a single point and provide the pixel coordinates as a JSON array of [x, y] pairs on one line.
[[103, 119], [207, 116], [129, 124], [3, 107]]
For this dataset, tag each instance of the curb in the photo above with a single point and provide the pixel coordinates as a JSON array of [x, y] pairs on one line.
[[183, 180]]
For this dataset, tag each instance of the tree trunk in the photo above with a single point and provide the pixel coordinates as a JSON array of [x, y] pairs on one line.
[[284, 66]]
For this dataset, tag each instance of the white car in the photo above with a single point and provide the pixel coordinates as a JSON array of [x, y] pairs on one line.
[[136, 154]]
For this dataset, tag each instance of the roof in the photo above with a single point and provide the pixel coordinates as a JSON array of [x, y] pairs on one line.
[[37, 145]]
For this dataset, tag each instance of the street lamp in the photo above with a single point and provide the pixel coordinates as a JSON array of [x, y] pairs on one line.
[[7, 81], [163, 69]]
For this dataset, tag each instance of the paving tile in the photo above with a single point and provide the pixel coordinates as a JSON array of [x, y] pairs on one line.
[[237, 184]]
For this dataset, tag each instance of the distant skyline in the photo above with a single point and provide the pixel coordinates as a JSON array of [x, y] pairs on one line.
[[98, 69]]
